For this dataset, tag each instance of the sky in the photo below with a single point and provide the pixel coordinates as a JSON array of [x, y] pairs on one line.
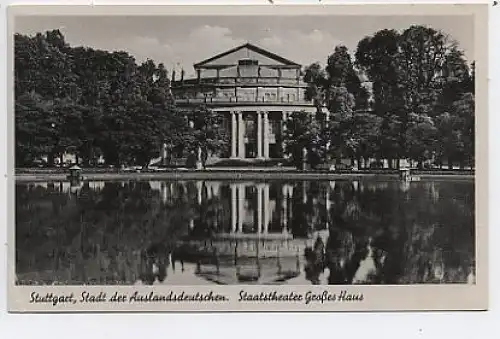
[[181, 41]]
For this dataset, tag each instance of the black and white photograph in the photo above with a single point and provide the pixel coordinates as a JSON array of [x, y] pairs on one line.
[[244, 150]]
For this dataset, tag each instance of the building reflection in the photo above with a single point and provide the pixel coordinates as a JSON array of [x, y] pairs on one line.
[[252, 222], [231, 232]]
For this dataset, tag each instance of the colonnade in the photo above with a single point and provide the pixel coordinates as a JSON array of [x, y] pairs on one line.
[[264, 207], [262, 138]]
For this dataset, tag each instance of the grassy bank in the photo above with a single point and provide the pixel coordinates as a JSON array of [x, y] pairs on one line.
[[233, 174]]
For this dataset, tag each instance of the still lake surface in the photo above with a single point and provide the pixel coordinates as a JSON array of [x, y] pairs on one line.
[[238, 232]]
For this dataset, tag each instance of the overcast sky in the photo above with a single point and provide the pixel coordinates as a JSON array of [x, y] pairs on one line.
[[182, 41]]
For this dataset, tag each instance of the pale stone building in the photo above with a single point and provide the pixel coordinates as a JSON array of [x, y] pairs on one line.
[[255, 90]]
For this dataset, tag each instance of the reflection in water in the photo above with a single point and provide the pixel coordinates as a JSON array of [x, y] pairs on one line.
[[276, 232]]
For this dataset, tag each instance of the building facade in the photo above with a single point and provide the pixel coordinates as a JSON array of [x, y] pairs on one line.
[[255, 90]]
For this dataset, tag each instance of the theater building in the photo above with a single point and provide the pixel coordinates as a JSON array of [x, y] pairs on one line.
[[255, 90]]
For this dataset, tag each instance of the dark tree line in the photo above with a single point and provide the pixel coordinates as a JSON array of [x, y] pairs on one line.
[[96, 103], [421, 106]]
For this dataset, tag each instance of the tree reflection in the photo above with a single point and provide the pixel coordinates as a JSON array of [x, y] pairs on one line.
[[101, 236], [407, 235], [119, 232]]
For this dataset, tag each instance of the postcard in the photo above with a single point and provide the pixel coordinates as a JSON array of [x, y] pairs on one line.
[[248, 158]]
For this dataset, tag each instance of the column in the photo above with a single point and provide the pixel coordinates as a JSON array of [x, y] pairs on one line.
[[284, 118], [259, 208], [163, 189], [328, 201], [233, 135], [199, 191], [265, 207], [170, 192], [241, 136], [355, 185], [216, 188], [208, 186], [304, 193], [332, 185], [259, 134], [266, 135], [241, 212], [233, 208]]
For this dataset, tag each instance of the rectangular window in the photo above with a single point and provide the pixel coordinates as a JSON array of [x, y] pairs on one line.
[[248, 62]]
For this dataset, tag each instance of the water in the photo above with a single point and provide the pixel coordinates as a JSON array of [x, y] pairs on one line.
[[236, 232]]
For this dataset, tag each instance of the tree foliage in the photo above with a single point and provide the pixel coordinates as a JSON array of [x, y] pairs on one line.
[[423, 91], [207, 133], [304, 132], [97, 103], [93, 103], [417, 86]]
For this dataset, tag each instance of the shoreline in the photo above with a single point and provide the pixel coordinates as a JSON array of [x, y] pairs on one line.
[[248, 174]]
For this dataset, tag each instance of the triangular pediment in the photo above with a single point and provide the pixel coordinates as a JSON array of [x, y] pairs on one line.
[[246, 51]]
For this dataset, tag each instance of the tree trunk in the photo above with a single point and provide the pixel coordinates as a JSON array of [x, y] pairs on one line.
[[50, 159], [398, 163], [360, 166], [338, 159]]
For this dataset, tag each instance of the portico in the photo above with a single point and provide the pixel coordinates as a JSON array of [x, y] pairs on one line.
[[252, 134], [255, 90], [257, 132]]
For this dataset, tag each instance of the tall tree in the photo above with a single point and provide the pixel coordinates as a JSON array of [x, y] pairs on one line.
[[317, 83], [421, 138], [304, 132], [377, 56], [35, 132], [417, 75], [366, 133], [206, 133], [464, 108], [342, 73], [340, 128]]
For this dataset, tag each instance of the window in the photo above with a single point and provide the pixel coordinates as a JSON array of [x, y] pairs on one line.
[[248, 62]]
